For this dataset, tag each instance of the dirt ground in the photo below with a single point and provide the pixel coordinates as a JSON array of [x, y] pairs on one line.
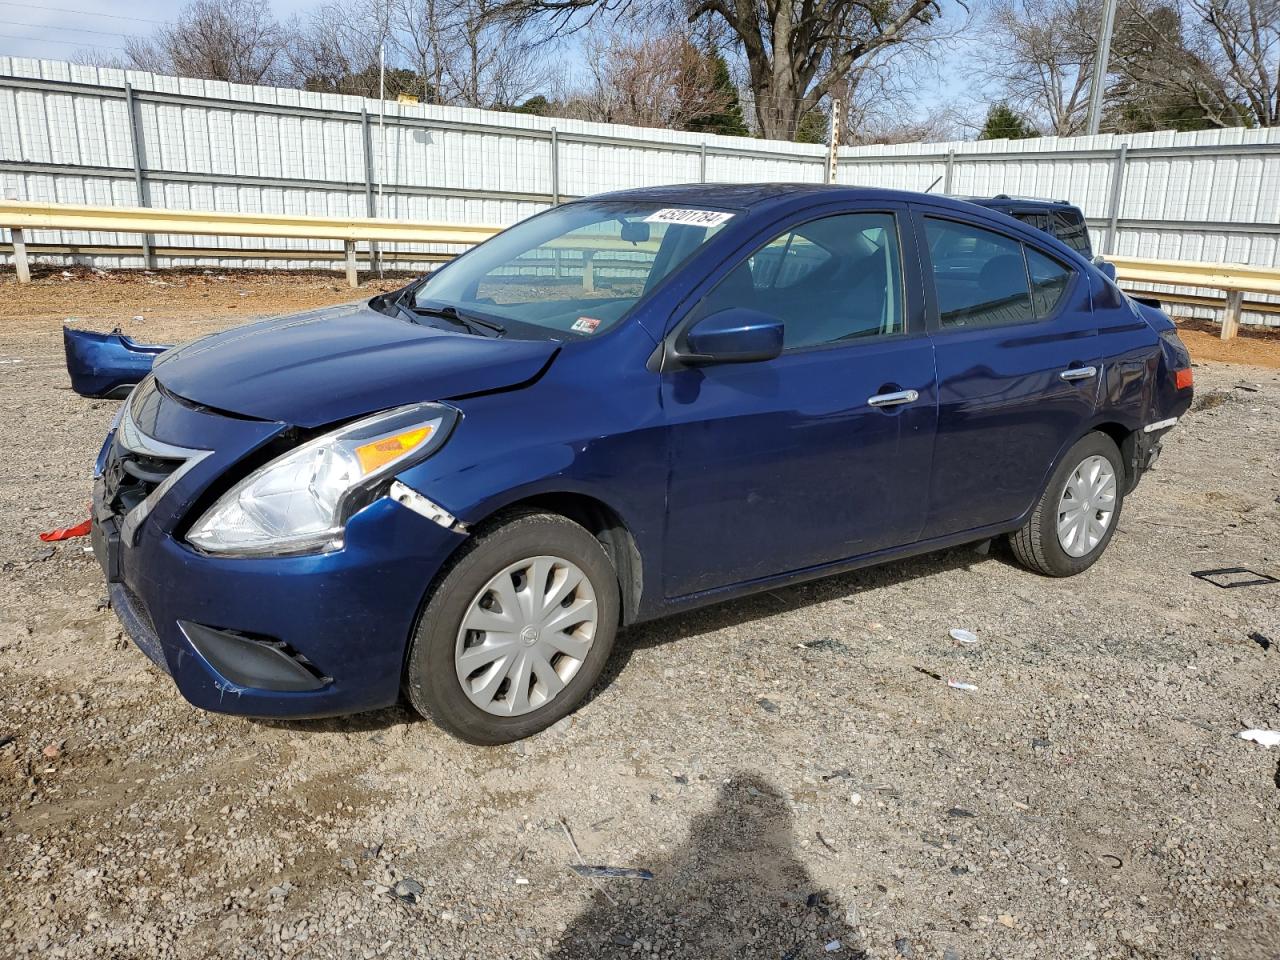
[[789, 767]]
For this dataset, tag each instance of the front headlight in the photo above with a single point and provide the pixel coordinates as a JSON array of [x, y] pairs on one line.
[[300, 502]]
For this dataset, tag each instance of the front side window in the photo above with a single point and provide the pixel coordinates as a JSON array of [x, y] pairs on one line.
[[574, 271], [831, 280], [979, 275]]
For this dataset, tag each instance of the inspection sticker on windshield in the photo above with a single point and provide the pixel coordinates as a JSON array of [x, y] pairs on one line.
[[692, 218], [585, 325]]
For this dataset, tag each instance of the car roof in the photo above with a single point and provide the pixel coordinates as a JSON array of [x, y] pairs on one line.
[[757, 197]]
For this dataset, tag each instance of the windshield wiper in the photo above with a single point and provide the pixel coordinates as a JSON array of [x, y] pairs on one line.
[[476, 325]]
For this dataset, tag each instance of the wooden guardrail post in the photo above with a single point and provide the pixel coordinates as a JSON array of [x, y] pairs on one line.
[[349, 246], [1231, 315], [20, 265]]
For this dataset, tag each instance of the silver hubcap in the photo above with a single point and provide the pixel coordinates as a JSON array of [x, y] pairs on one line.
[[1087, 505], [525, 635]]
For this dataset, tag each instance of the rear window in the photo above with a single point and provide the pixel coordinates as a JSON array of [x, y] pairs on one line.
[[1069, 227]]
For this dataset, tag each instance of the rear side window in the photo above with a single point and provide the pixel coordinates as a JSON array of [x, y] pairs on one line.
[[833, 280], [980, 276], [1069, 227], [1049, 280]]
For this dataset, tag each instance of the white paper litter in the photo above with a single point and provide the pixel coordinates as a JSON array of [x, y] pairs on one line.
[[959, 685], [832, 947], [1268, 738], [961, 635]]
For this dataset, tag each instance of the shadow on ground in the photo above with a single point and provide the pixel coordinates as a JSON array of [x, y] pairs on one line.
[[734, 889]]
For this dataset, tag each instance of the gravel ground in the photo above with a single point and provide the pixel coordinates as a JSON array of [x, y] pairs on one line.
[[789, 767]]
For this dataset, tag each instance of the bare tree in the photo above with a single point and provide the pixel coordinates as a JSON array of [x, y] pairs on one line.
[[235, 40], [1245, 36], [443, 51], [1040, 54], [489, 60], [796, 51], [1166, 75], [661, 80]]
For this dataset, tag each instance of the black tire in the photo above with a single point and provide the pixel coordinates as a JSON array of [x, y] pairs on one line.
[[431, 682], [1036, 545]]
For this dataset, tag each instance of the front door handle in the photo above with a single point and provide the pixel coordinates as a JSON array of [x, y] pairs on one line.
[[1078, 373], [893, 399]]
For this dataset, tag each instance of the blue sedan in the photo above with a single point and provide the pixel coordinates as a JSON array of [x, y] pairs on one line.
[[621, 408]]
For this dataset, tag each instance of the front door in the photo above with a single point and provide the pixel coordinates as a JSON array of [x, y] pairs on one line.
[[1018, 362], [822, 453]]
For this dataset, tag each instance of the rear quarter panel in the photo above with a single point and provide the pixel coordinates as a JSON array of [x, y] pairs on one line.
[[1134, 365]]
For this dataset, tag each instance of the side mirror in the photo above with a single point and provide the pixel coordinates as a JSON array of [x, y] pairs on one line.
[[735, 335], [1106, 268]]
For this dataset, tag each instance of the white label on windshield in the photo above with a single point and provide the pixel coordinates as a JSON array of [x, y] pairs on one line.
[[692, 218]]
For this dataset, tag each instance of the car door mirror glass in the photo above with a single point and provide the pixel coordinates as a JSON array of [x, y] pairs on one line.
[[734, 335]]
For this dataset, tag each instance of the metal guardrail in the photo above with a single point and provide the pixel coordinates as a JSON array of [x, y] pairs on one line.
[[1233, 279], [21, 216]]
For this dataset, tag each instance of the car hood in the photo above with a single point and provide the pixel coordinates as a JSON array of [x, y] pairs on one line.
[[327, 365]]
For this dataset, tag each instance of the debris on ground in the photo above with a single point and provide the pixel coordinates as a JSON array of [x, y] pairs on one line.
[[617, 873], [408, 890], [961, 685], [1267, 738], [960, 635], [68, 533]]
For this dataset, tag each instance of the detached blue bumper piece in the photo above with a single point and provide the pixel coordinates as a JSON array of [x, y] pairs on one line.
[[106, 365]]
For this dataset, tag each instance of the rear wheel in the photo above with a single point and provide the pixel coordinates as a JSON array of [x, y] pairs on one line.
[[517, 630], [1078, 512]]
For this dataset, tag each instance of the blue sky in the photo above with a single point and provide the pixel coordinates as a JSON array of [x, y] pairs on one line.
[[56, 29]]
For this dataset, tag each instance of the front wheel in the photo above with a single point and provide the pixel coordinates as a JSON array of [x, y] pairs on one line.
[[1078, 512], [516, 632]]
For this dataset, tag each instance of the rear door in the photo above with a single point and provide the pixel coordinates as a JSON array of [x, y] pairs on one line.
[[1018, 361], [823, 452]]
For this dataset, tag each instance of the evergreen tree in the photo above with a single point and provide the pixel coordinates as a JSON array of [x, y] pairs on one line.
[[726, 120], [813, 127], [1005, 123]]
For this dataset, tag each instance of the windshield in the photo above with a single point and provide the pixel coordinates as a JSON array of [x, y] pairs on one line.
[[575, 270]]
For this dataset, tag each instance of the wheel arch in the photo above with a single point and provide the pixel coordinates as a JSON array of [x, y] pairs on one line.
[[1125, 436], [604, 523]]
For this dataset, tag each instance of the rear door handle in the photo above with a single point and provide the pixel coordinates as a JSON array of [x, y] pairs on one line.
[[1078, 373], [893, 399]]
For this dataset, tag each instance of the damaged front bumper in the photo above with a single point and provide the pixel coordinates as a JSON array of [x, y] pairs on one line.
[[298, 636], [288, 636], [106, 365]]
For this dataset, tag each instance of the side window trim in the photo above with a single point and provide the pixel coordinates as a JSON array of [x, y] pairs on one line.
[[911, 272], [1073, 279], [933, 316], [919, 213]]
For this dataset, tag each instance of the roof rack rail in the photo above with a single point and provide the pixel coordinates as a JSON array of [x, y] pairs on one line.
[[1006, 196]]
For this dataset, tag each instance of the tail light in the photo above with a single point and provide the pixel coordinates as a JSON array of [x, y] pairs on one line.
[[1182, 379]]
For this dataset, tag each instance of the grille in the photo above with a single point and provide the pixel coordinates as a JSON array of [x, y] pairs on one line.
[[140, 469], [130, 477]]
